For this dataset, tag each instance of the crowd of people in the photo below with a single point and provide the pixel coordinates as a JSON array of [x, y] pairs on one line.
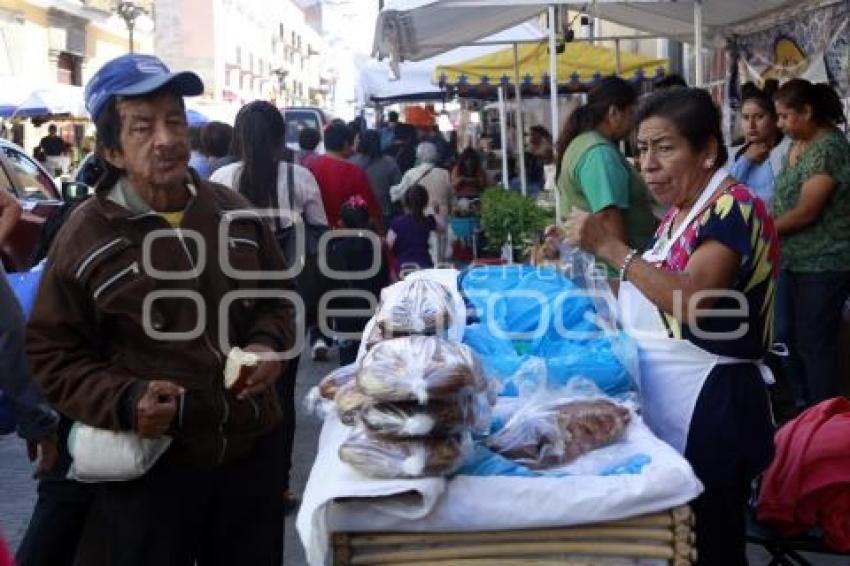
[[692, 228]]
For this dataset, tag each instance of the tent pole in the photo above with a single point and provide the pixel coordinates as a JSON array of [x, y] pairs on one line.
[[553, 95], [700, 79], [520, 149], [618, 67], [503, 130], [553, 74]]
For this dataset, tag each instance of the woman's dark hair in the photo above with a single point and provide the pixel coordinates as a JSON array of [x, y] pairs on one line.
[[693, 113], [370, 145], [195, 138], [216, 138], [354, 217], [415, 200], [827, 109], [259, 137], [609, 91], [761, 96], [468, 163]]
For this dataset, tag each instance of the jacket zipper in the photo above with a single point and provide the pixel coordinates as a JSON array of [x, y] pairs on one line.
[[218, 356], [224, 418], [132, 268], [95, 254]]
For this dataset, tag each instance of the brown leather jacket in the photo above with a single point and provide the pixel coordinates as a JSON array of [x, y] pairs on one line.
[[87, 342]]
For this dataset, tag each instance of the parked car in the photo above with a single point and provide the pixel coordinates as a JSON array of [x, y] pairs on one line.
[[39, 196], [300, 117]]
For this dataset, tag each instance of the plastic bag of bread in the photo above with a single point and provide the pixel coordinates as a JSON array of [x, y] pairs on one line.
[[417, 458], [419, 368], [417, 306], [330, 384], [545, 433], [409, 419], [349, 401]]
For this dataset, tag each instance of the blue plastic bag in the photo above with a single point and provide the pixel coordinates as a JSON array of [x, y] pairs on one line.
[[528, 312], [25, 286]]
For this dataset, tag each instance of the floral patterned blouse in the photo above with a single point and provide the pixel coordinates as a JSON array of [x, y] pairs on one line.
[[825, 244], [740, 221]]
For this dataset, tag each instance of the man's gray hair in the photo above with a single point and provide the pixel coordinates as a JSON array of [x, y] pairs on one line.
[[426, 152]]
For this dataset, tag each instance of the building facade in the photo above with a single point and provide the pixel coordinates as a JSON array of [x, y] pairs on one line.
[[62, 42], [244, 49]]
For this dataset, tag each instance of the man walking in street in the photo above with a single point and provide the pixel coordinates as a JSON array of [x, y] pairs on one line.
[[54, 148], [147, 286]]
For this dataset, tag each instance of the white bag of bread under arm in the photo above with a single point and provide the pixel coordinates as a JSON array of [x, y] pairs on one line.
[[238, 367]]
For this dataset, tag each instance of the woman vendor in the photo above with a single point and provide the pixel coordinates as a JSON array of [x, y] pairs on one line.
[[592, 173], [699, 303]]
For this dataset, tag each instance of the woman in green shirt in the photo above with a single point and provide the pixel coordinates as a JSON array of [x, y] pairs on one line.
[[812, 210], [593, 175]]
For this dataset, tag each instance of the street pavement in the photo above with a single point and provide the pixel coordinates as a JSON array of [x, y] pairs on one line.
[[17, 489]]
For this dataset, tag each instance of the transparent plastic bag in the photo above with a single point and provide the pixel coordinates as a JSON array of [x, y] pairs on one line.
[[546, 432], [349, 401], [418, 458], [419, 368], [416, 306], [466, 412], [330, 384]]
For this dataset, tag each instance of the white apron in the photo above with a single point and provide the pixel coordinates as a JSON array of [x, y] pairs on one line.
[[672, 371]]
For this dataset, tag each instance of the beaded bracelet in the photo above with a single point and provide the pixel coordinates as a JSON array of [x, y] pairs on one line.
[[630, 257]]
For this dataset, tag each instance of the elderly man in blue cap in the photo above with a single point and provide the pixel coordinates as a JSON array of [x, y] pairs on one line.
[[150, 287]]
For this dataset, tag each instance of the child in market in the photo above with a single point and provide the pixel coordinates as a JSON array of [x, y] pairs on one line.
[[355, 252], [409, 234]]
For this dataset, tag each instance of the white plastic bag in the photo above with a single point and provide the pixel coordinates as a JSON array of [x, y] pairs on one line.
[[103, 455]]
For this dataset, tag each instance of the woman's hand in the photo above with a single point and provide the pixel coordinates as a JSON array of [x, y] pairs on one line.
[[586, 232], [552, 238]]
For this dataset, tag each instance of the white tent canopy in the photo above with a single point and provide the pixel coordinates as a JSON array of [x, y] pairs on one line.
[[412, 30], [415, 77]]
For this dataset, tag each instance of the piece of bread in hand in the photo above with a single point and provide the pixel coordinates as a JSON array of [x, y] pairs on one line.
[[239, 366]]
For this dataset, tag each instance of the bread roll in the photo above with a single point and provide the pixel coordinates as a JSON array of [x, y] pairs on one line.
[[415, 306], [239, 365], [330, 384], [388, 459], [419, 368], [349, 400], [409, 419], [552, 433]]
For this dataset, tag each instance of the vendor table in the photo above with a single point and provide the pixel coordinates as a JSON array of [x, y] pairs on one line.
[[667, 537]]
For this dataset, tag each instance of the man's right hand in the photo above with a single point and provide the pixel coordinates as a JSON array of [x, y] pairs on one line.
[[156, 408]]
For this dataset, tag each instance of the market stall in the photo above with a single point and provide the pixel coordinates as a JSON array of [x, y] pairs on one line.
[[459, 425]]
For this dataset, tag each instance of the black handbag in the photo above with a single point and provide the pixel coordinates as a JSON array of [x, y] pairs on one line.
[[286, 235]]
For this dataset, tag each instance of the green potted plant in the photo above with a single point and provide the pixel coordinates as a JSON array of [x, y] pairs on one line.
[[508, 216]]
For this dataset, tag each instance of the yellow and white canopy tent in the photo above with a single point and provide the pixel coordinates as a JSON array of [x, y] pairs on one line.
[[578, 67]]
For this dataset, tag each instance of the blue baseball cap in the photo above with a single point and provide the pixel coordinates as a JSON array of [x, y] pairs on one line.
[[135, 75]]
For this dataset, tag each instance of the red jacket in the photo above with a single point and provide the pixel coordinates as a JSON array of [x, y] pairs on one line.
[[808, 483], [338, 181]]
